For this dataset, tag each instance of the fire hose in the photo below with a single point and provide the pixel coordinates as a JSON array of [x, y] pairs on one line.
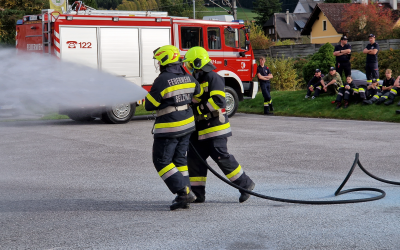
[[310, 202]]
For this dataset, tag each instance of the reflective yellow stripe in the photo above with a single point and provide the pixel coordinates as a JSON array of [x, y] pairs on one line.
[[198, 110], [178, 87], [204, 84], [369, 80], [166, 169], [214, 129], [394, 91], [182, 168], [152, 100], [201, 92], [197, 178], [215, 106], [174, 124], [234, 172], [217, 92]]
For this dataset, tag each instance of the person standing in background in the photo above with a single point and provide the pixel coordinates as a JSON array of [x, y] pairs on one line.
[[371, 65], [343, 54], [264, 75]]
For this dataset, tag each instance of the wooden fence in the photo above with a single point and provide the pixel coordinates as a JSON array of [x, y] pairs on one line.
[[302, 50]]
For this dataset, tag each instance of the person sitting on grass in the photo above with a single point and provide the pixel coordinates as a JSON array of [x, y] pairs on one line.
[[345, 93], [332, 81], [387, 86], [373, 92], [315, 84]]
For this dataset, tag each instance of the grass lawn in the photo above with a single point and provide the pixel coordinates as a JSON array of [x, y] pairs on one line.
[[293, 103], [242, 13]]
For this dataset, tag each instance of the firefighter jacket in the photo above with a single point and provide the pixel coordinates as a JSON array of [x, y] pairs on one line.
[[170, 96], [209, 107]]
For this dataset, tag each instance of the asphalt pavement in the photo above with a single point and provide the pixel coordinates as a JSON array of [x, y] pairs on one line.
[[71, 185]]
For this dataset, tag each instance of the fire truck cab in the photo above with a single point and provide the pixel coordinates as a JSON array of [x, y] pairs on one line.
[[122, 43]]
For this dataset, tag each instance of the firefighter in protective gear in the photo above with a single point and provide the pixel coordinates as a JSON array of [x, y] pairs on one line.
[[212, 127], [373, 92], [389, 91], [170, 96], [345, 92]]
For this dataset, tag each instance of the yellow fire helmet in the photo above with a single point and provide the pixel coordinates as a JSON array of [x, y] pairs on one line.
[[167, 54], [197, 58]]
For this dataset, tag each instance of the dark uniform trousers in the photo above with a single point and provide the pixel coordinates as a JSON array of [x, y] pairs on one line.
[[391, 94], [169, 158], [343, 66], [344, 94], [218, 150], [266, 92], [372, 71]]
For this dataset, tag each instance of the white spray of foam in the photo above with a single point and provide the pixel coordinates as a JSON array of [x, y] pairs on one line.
[[46, 83]]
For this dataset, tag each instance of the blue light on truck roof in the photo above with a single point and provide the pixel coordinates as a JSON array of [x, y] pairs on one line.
[[20, 21], [239, 21]]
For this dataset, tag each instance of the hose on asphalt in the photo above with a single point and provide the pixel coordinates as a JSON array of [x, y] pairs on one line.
[[311, 202]]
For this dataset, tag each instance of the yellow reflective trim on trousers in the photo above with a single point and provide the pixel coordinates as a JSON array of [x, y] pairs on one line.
[[198, 110], [182, 168], [214, 129], [234, 172], [217, 92], [393, 91], [215, 106], [178, 87], [197, 179], [174, 124], [166, 169], [369, 80], [152, 100]]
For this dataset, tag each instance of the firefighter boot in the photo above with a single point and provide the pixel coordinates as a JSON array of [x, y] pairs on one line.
[[346, 104], [366, 102], [185, 196], [380, 101], [338, 105], [390, 99], [271, 107], [245, 196], [200, 193], [266, 111]]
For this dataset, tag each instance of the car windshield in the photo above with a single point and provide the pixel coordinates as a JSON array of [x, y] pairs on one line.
[[358, 75]]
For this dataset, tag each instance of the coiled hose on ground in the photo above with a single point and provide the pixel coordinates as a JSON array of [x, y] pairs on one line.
[[338, 191]]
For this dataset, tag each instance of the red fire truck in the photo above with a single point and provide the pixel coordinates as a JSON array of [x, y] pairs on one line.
[[122, 42]]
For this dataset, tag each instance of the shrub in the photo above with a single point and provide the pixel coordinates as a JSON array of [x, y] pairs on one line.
[[299, 63], [323, 60], [258, 39], [285, 77]]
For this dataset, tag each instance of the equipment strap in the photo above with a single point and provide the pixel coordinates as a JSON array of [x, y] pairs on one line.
[[210, 115], [171, 109]]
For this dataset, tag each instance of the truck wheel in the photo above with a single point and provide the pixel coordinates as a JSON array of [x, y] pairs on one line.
[[80, 116], [232, 101], [118, 114]]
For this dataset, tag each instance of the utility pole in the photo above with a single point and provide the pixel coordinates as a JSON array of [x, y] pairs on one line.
[[194, 9], [234, 9]]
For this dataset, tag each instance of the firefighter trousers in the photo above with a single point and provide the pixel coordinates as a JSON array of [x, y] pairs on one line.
[[217, 149], [266, 92], [169, 158], [344, 94], [372, 71]]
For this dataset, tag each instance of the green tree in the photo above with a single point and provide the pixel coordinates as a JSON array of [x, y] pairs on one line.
[[108, 4], [323, 60], [265, 9], [11, 11]]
